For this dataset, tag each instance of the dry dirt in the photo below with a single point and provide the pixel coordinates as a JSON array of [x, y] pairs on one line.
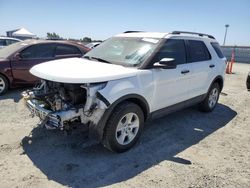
[[184, 149]]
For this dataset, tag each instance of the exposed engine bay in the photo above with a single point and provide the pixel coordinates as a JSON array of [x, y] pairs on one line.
[[62, 104]]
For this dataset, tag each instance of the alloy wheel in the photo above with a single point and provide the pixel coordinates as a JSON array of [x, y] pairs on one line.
[[127, 128], [213, 97]]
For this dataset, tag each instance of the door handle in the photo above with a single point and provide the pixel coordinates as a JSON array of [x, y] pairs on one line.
[[212, 65], [185, 71]]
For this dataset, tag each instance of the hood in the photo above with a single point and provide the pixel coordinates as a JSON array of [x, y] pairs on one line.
[[80, 70]]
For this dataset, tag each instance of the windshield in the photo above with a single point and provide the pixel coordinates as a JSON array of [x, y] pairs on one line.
[[124, 51], [8, 50]]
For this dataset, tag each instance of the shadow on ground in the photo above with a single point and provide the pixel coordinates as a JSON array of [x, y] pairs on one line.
[[66, 160], [14, 94]]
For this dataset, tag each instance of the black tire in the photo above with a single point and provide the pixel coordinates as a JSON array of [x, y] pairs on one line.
[[120, 112], [4, 85], [205, 106], [248, 82]]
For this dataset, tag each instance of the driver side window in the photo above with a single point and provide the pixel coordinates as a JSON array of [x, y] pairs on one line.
[[173, 48], [39, 51]]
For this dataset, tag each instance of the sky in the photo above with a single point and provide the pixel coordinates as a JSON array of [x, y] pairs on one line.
[[101, 19]]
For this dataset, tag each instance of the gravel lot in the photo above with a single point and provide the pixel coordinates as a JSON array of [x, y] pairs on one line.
[[184, 149]]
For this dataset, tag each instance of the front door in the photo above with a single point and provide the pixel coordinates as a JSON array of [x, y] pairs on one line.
[[29, 57], [171, 84]]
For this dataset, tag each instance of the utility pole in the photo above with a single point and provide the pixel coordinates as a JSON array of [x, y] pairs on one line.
[[224, 42]]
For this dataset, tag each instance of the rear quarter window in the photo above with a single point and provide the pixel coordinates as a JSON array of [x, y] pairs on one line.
[[63, 49], [197, 51], [217, 49]]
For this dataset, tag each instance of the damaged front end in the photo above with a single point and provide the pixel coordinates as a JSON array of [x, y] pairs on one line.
[[60, 105]]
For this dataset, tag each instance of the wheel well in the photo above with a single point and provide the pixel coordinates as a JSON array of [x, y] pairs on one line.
[[141, 104], [219, 80], [98, 130]]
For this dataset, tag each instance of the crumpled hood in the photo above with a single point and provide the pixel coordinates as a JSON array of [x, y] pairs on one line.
[[80, 70]]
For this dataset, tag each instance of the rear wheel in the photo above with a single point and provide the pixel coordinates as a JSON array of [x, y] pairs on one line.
[[124, 127], [4, 85], [211, 99]]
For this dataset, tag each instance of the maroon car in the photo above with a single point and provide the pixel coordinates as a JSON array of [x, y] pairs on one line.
[[18, 58]]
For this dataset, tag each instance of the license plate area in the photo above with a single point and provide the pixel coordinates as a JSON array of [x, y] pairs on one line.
[[37, 109]]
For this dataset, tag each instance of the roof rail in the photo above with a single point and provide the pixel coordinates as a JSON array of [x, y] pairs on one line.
[[193, 33], [132, 31]]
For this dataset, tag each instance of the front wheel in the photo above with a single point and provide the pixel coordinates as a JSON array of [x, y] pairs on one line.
[[124, 127], [211, 99]]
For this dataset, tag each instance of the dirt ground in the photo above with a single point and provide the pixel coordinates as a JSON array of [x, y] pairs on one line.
[[185, 149]]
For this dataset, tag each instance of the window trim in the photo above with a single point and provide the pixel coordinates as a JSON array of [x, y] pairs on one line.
[[188, 51]]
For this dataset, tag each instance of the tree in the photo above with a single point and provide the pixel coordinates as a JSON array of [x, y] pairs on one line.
[[86, 39], [53, 36]]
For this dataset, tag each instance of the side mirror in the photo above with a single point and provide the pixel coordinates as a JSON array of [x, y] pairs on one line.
[[17, 56], [165, 63]]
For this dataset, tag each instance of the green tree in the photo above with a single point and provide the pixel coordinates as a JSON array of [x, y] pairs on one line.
[[86, 39], [53, 36]]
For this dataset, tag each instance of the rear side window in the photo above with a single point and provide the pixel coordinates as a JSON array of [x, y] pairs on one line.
[[39, 51], [2, 42], [67, 50], [217, 49], [198, 51], [9, 41], [173, 48]]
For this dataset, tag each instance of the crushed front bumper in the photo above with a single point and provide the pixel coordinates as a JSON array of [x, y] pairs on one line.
[[37, 109], [47, 117]]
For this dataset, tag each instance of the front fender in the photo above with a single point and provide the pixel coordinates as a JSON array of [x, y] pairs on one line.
[[115, 92], [118, 88]]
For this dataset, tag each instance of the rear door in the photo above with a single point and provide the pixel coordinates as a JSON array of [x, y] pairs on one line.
[[171, 84], [200, 63], [29, 57]]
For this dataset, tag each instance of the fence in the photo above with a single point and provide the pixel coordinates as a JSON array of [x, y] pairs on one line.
[[242, 53]]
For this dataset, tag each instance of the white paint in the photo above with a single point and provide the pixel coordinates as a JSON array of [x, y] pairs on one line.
[[80, 70], [159, 87]]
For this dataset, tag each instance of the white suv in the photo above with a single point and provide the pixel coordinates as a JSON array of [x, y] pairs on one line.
[[126, 80]]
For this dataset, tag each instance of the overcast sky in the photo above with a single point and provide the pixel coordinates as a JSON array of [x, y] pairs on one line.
[[101, 19]]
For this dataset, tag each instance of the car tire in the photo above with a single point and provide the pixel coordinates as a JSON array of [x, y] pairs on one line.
[[212, 97], [248, 82], [123, 127], [4, 85]]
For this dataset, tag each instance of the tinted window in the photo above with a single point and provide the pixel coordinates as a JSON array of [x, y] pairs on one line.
[[173, 48], [9, 41], [2, 42], [217, 49], [67, 50], [198, 51], [40, 51]]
